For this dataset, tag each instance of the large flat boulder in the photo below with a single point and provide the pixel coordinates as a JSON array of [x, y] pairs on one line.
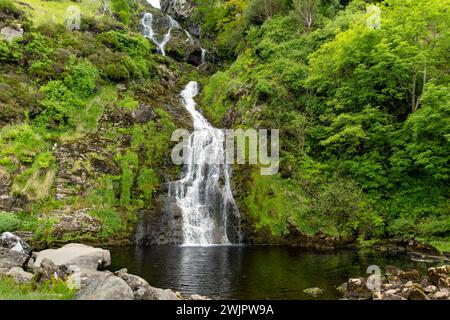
[[83, 256]]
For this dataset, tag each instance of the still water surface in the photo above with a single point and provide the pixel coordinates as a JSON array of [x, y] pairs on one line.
[[250, 272]]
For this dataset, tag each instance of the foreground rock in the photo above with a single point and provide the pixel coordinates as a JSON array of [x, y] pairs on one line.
[[77, 265], [143, 291], [83, 256], [14, 243], [19, 275], [106, 287], [314, 292], [401, 285], [14, 252]]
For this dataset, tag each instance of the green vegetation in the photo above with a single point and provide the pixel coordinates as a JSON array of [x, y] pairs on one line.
[[363, 112], [58, 290], [61, 87], [9, 222], [362, 108]]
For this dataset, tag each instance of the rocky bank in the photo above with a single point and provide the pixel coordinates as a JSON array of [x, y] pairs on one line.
[[397, 284], [82, 267]]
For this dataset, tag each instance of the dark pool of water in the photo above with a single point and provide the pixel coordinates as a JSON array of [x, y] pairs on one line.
[[250, 272]]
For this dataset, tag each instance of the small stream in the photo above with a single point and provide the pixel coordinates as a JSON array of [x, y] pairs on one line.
[[251, 272]]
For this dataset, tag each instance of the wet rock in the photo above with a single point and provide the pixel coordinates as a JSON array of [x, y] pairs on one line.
[[357, 289], [106, 287], [19, 275], [84, 256], [314, 292], [14, 243]]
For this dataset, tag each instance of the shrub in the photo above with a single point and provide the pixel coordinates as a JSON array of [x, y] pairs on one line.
[[259, 10], [8, 222]]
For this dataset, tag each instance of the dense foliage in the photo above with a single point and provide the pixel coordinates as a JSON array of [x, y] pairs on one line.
[[363, 108], [364, 112], [56, 88]]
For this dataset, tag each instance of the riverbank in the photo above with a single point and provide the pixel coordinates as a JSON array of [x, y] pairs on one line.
[[74, 271]]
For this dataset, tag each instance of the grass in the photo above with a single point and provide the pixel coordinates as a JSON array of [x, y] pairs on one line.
[[42, 12], [9, 290], [442, 245]]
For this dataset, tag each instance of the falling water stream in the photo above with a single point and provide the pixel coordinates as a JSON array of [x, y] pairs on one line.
[[203, 194]]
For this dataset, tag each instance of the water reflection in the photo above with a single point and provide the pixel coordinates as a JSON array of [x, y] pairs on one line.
[[246, 272]]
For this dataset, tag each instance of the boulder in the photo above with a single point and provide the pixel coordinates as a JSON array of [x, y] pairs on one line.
[[19, 275], [10, 259], [83, 256], [430, 289], [342, 288], [389, 295], [142, 290], [409, 275], [357, 289], [11, 33], [438, 276], [391, 270], [441, 295], [377, 295], [413, 292], [14, 243], [48, 271], [106, 287], [314, 292]]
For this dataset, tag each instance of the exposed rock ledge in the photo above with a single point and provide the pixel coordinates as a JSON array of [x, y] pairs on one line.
[[80, 266]]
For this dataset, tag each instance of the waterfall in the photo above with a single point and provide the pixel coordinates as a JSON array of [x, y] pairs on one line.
[[148, 32], [203, 56], [204, 193], [154, 3]]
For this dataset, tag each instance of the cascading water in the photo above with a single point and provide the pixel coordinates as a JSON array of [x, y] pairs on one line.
[[203, 56], [204, 193], [147, 31], [154, 3]]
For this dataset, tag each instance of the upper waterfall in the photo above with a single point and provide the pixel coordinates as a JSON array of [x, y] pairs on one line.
[[154, 3], [147, 31]]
